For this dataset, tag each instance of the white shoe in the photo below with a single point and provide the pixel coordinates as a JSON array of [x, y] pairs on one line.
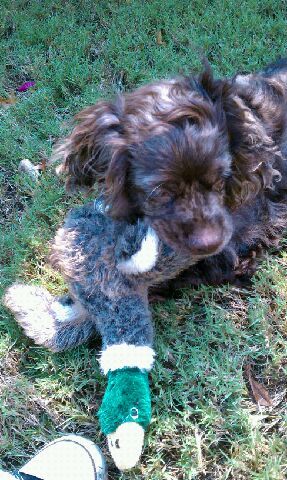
[[70, 457]]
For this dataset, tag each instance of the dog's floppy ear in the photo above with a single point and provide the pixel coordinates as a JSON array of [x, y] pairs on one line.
[[117, 185], [96, 150], [252, 110], [87, 152], [255, 113]]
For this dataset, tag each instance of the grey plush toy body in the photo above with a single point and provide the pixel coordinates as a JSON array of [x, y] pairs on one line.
[[109, 266]]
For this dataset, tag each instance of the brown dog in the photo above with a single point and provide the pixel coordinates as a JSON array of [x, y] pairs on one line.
[[203, 160]]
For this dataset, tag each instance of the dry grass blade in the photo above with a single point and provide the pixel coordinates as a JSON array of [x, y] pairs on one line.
[[159, 39]]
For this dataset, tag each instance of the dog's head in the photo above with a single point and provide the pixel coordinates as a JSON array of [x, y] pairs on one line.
[[178, 181], [160, 152], [164, 152]]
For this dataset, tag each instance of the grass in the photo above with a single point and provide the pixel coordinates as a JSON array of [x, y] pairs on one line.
[[206, 424]]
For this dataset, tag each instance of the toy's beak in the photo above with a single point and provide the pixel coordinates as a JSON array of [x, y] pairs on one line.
[[126, 444]]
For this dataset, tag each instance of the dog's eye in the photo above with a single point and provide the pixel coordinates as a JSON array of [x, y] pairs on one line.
[[158, 197], [161, 202]]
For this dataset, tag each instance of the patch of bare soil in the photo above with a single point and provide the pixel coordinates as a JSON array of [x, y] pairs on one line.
[[11, 200]]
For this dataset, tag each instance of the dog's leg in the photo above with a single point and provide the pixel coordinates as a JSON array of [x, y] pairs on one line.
[[58, 324]]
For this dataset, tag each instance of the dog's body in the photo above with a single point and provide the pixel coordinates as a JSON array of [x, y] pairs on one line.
[[204, 160]]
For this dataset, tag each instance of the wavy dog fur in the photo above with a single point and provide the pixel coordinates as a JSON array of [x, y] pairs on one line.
[[203, 159]]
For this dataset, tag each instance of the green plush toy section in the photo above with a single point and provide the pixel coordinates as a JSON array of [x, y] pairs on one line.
[[127, 399]]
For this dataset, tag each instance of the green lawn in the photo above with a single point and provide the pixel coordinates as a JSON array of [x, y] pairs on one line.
[[206, 424]]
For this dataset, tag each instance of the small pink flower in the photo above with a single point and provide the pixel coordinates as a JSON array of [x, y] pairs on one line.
[[25, 86]]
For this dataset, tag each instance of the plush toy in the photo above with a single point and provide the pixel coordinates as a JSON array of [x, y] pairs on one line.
[[109, 266]]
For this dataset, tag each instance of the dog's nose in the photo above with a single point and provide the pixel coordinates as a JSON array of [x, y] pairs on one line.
[[205, 241]]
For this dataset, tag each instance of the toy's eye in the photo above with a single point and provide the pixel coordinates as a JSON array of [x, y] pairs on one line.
[[134, 413]]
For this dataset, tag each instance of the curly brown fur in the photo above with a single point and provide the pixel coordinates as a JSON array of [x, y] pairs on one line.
[[203, 159]]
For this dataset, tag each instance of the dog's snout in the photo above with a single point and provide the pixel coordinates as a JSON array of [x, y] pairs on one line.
[[202, 238], [205, 241]]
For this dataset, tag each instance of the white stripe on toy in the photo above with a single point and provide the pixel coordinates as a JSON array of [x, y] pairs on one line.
[[124, 355], [145, 259]]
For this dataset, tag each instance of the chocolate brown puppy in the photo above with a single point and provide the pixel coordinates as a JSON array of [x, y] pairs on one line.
[[203, 159]]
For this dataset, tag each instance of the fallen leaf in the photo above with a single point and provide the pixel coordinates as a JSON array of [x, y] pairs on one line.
[[159, 39], [43, 165], [6, 101], [171, 358], [260, 393]]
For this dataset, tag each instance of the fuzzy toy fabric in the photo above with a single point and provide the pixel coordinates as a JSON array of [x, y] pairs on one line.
[[109, 266], [126, 386]]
